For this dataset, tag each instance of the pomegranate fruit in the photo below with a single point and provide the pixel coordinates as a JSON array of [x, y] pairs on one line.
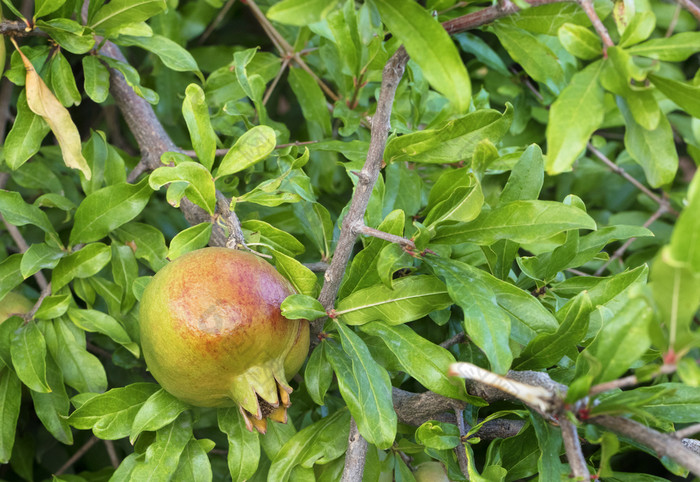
[[213, 335], [14, 303]]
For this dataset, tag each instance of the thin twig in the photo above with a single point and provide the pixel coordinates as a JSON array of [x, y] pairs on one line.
[[454, 340], [687, 431], [286, 50], [317, 267], [619, 252], [663, 444], [77, 455], [621, 172], [674, 21], [23, 247], [222, 152], [459, 449], [692, 7], [114, 460], [574, 454], [587, 6], [355, 455], [46, 291], [274, 82], [392, 238], [628, 381], [215, 23], [235, 238]]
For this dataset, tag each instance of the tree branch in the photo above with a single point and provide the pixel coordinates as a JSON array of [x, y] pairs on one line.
[[574, 454], [77, 455], [393, 71], [355, 455], [663, 444]]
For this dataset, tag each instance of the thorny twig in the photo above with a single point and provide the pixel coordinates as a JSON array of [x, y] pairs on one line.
[[628, 381]]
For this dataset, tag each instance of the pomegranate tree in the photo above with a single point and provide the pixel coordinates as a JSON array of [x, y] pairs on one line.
[[213, 335]]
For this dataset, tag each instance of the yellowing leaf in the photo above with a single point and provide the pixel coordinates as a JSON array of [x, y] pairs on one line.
[[43, 103]]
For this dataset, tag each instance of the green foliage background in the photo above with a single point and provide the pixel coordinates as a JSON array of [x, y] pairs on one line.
[[504, 161]]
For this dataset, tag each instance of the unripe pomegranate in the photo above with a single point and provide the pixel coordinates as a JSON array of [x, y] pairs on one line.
[[14, 303], [213, 335]]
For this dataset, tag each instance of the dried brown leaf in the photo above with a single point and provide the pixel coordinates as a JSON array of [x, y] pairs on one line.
[[43, 103]]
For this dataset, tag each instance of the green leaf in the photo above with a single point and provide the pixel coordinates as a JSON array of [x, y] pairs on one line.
[[301, 277], [685, 238], [159, 410], [243, 445], [302, 306], [69, 34], [654, 150], [25, 136], [536, 58], [83, 263], [679, 404], [96, 82], [300, 12], [318, 374], [111, 414], [312, 102], [196, 114], [190, 239], [81, 370], [430, 47], [118, 13], [437, 435], [200, 189], [28, 350], [580, 41], [366, 388], [425, 361], [53, 306], [19, 213], [685, 95], [45, 7], [581, 100], [97, 322], [526, 177], [485, 322], [641, 26], [463, 205], [391, 259], [547, 349], [10, 401], [249, 149], [163, 455], [170, 53], [105, 210], [277, 239], [676, 291], [320, 442], [148, 240], [10, 275], [620, 343], [673, 49], [52, 408], [63, 81], [411, 298], [132, 78], [40, 256], [194, 464], [452, 141], [518, 221]]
